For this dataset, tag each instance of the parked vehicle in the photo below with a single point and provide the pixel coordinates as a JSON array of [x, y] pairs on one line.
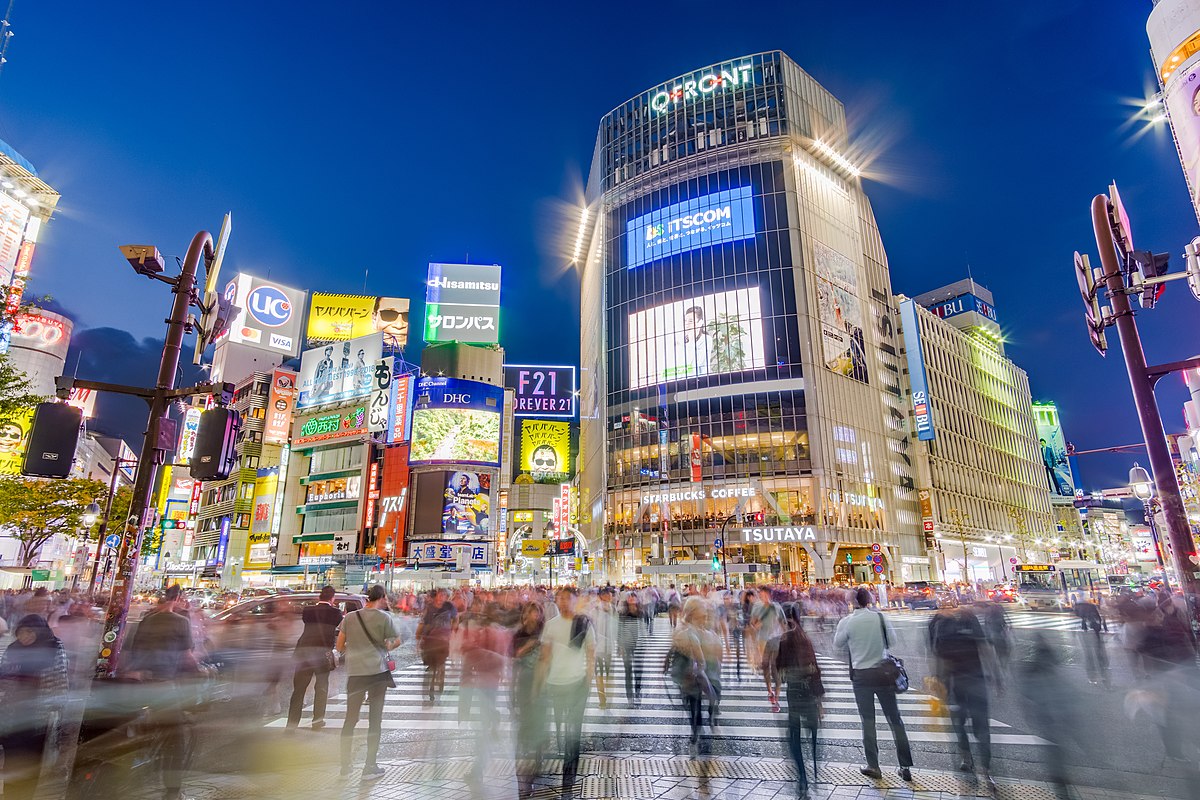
[[929, 594]]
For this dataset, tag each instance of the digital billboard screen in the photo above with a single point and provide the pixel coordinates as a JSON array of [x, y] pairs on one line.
[[545, 450], [456, 421], [712, 334], [466, 507], [714, 218], [336, 372], [1053, 447], [541, 391]]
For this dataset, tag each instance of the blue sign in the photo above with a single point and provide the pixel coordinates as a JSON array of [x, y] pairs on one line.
[[710, 219], [718, 543], [962, 304], [112, 541], [456, 421], [922, 411], [269, 306]]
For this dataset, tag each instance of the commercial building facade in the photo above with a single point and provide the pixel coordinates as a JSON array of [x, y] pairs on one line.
[[740, 375]]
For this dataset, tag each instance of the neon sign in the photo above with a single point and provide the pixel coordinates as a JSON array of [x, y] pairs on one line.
[[694, 88]]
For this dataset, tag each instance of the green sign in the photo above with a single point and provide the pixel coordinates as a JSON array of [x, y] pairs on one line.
[[40, 574]]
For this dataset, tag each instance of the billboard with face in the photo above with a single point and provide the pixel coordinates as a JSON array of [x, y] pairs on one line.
[[545, 450], [841, 313], [1053, 447], [14, 438], [708, 335], [338, 317], [337, 372], [467, 507], [270, 314], [456, 421]]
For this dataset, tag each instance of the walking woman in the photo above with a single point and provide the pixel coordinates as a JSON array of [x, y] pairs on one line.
[[33, 682], [365, 638], [529, 710], [629, 633], [797, 662]]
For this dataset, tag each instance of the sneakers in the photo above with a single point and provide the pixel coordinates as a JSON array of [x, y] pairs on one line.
[[317, 724], [372, 773]]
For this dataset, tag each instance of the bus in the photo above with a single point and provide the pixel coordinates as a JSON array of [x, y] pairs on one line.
[[1059, 586]]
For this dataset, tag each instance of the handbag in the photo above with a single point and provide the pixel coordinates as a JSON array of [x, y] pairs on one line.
[[331, 660], [391, 662], [892, 667]]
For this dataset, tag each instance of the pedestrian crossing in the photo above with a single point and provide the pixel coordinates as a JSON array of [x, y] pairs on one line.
[[1024, 620], [745, 712]]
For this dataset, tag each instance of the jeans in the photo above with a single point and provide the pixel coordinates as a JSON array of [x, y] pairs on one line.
[[868, 686], [968, 699], [633, 674], [306, 671], [568, 702], [374, 695], [802, 716]]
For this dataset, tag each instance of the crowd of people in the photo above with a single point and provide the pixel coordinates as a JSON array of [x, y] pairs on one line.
[[551, 649]]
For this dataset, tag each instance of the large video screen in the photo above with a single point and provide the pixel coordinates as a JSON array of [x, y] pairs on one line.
[[456, 421], [467, 503], [724, 216], [712, 334]]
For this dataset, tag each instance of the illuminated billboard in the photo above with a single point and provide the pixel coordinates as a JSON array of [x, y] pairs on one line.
[[14, 438], [715, 218], [338, 372], [1053, 447], [466, 509], [281, 401], [541, 391], [270, 314], [316, 428], [456, 421], [338, 317], [841, 313], [462, 303], [712, 334], [922, 408], [13, 216], [545, 450], [43, 331], [400, 420]]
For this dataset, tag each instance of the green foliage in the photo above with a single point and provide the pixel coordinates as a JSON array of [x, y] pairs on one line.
[[15, 396], [35, 510], [729, 352]]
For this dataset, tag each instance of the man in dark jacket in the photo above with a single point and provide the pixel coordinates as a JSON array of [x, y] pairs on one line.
[[314, 654], [957, 640]]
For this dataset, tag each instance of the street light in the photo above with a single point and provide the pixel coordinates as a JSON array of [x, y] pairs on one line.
[[1140, 484], [91, 513], [1143, 489]]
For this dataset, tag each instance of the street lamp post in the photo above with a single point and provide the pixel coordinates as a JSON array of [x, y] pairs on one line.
[[724, 568], [112, 489], [1143, 489], [388, 547]]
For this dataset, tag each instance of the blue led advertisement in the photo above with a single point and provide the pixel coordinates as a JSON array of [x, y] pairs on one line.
[[456, 421], [916, 371], [715, 218]]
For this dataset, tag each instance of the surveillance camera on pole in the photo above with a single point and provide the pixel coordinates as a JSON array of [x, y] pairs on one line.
[[1147, 265], [144, 258]]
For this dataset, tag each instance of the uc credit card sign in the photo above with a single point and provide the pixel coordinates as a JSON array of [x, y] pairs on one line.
[[714, 218]]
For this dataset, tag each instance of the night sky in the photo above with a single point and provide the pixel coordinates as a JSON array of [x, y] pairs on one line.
[[354, 143]]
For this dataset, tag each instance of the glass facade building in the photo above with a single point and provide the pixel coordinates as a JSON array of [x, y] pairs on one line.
[[741, 374]]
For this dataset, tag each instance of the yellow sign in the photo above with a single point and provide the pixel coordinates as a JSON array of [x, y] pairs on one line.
[[1034, 568], [340, 317], [522, 516], [258, 543], [14, 438], [535, 548], [546, 450]]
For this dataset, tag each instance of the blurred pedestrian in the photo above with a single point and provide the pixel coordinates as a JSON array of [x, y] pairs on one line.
[[568, 666], [365, 637], [314, 658], [33, 685], [957, 643], [768, 624], [686, 665], [629, 634], [604, 621], [528, 707], [1095, 653], [797, 665], [433, 642], [867, 634]]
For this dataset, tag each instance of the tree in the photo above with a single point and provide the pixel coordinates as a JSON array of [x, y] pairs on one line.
[[33, 510], [15, 396]]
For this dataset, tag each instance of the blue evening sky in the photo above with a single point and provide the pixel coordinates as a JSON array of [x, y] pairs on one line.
[[356, 142]]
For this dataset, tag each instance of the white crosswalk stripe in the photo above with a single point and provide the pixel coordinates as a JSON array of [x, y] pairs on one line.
[[745, 712], [1025, 620]]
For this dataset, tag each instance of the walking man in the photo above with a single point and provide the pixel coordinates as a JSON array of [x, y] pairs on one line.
[[433, 642], [866, 634], [314, 658], [568, 665], [957, 641]]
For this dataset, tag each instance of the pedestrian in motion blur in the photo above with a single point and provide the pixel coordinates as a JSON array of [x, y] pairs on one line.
[[867, 634], [1095, 653], [33, 684], [629, 633], [568, 665], [797, 664], [314, 658], [957, 642], [528, 707], [365, 638], [433, 642]]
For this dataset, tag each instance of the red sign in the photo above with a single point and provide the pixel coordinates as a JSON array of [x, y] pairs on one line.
[[875, 548], [696, 464], [928, 526], [280, 404]]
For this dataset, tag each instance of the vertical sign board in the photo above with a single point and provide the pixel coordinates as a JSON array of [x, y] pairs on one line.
[[281, 402], [400, 420], [379, 410], [564, 508], [187, 438], [922, 410], [695, 459]]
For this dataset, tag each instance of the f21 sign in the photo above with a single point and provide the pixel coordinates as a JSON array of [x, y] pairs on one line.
[[544, 392]]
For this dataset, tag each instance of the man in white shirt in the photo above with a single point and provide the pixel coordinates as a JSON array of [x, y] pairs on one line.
[[867, 634], [567, 667]]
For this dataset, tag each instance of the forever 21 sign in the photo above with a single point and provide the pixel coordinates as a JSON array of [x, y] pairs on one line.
[[541, 391]]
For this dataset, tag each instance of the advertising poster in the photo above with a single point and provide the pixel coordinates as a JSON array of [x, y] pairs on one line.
[[1053, 448], [43, 331], [380, 409], [708, 335], [547, 392], [13, 216], [840, 313], [922, 408], [14, 438], [270, 314], [695, 458], [400, 421], [338, 317], [456, 421], [724, 216], [462, 303], [187, 435], [337, 372], [84, 400], [324, 427], [1182, 97], [281, 402], [258, 548], [546, 450], [467, 504]]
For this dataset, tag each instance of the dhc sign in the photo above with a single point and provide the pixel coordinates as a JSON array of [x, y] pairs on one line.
[[697, 86]]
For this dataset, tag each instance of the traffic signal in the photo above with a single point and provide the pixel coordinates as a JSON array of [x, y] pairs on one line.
[[52, 441], [1191, 259], [1148, 265], [716, 564], [171, 524], [216, 443], [1093, 314]]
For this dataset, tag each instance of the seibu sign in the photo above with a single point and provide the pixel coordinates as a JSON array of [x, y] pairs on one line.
[[719, 493], [805, 533]]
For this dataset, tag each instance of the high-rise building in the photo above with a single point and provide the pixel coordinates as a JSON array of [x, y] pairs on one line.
[[740, 374], [26, 204], [1174, 31]]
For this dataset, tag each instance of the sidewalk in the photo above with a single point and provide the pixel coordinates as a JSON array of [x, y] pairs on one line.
[[629, 776]]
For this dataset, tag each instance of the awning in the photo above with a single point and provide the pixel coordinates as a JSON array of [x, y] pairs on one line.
[[299, 569]]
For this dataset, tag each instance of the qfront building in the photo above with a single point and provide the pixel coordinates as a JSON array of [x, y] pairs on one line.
[[741, 376]]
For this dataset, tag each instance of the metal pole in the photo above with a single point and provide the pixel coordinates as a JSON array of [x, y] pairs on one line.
[[1148, 508], [112, 488], [147, 466], [1167, 484], [724, 568]]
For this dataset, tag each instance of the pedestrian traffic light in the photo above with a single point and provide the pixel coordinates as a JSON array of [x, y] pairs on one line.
[[52, 441], [1148, 265], [716, 564], [216, 443], [1093, 313]]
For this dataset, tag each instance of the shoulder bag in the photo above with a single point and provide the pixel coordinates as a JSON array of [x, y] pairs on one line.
[[391, 662], [892, 667]]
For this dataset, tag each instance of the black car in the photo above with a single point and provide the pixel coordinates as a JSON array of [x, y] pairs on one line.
[[929, 594]]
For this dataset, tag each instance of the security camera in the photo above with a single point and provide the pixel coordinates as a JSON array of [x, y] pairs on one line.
[[144, 258]]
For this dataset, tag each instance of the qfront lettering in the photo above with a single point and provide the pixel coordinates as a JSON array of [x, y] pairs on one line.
[[694, 88], [780, 534]]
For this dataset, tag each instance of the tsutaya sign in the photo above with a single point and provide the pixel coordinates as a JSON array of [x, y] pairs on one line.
[[686, 90], [806, 533]]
